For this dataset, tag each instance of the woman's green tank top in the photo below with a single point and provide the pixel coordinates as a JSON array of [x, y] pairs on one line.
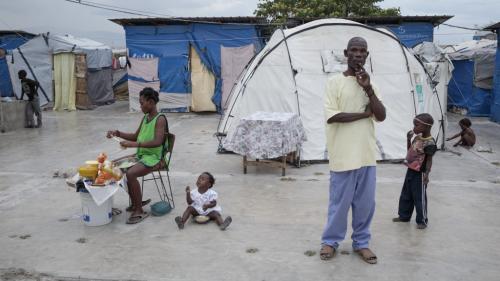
[[148, 156]]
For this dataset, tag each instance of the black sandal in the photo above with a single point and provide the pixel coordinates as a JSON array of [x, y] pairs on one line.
[[144, 203]]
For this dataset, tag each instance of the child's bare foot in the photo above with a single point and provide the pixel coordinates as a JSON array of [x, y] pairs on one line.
[[226, 223], [179, 222]]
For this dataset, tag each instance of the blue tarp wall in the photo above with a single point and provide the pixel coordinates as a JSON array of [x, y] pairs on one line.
[[9, 42], [413, 33], [171, 44], [495, 104], [463, 94]]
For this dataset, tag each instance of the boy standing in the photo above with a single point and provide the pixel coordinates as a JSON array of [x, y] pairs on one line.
[[30, 88], [419, 163], [351, 106]]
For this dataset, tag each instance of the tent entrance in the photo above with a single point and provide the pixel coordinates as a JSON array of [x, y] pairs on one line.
[[64, 81], [233, 62], [202, 84]]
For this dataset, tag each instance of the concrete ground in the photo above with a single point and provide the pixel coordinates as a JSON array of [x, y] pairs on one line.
[[275, 220]]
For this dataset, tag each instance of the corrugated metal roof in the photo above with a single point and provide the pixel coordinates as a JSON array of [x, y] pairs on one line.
[[18, 32], [188, 20], [493, 26], [387, 20]]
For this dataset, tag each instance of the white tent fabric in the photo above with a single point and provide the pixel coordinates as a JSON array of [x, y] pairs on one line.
[[471, 49], [439, 67], [98, 54], [290, 74]]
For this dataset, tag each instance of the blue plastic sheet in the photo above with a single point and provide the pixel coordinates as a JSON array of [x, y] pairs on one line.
[[413, 33], [495, 104], [5, 84], [171, 44], [9, 42], [463, 94]]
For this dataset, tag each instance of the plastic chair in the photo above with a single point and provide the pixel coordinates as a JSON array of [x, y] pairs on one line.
[[164, 165]]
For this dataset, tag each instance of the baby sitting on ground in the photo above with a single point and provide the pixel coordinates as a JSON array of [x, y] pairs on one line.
[[203, 202]]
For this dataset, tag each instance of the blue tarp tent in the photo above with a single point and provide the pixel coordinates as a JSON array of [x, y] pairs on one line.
[[470, 87], [9, 40], [171, 45], [463, 94], [495, 104]]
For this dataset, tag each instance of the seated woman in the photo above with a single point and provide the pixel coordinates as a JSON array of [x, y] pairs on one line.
[[148, 139]]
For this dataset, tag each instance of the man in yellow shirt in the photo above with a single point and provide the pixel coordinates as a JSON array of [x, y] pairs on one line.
[[352, 105]]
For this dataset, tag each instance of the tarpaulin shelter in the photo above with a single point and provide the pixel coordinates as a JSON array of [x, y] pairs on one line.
[[290, 74], [9, 39], [495, 103], [470, 88], [182, 58], [70, 70]]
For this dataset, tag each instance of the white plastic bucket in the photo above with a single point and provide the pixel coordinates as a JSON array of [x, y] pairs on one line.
[[93, 215]]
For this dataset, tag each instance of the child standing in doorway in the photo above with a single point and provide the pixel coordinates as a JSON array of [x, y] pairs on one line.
[[203, 202], [421, 147]]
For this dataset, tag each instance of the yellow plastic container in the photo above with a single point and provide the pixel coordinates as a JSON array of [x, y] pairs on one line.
[[92, 163], [88, 171]]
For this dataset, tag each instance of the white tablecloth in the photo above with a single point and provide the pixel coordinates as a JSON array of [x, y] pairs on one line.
[[102, 193], [265, 135]]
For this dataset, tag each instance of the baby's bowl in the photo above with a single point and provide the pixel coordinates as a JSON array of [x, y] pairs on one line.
[[201, 219]]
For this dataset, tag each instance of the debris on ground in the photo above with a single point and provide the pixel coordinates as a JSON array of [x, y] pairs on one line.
[[252, 250], [81, 240], [64, 174], [484, 149], [452, 151], [319, 174], [496, 163], [312, 180], [345, 252], [14, 274], [310, 253], [26, 236], [287, 179]]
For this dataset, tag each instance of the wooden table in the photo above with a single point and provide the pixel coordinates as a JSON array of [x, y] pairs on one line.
[[265, 136], [278, 163]]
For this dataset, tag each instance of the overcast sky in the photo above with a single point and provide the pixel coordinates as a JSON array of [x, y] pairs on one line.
[[62, 17]]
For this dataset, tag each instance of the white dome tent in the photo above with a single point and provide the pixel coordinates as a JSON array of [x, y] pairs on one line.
[[290, 74]]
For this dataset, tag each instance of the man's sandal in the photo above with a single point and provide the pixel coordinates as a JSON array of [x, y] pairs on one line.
[[367, 255], [327, 252]]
